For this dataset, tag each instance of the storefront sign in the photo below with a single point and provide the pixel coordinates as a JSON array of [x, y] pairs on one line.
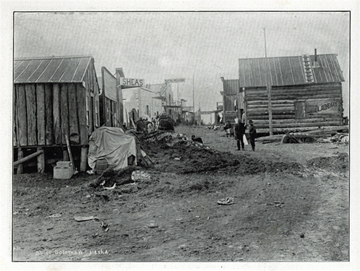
[[131, 82], [325, 106], [179, 80]]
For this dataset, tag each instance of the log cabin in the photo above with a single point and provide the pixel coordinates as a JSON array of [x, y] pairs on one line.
[[54, 98], [306, 91]]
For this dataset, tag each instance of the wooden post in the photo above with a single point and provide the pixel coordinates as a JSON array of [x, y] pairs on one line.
[[40, 105], [56, 114], [81, 107], [40, 161], [20, 166], [73, 115], [83, 159], [69, 151], [268, 87]]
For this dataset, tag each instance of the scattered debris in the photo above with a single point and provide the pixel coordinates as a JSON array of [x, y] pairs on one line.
[[90, 172], [339, 138], [152, 225], [110, 188], [226, 201], [278, 204], [84, 218], [87, 218], [139, 175], [55, 215], [104, 226], [297, 138]]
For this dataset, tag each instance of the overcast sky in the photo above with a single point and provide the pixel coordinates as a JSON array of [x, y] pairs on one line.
[[162, 45]]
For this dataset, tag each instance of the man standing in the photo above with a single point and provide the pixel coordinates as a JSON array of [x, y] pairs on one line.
[[239, 133]]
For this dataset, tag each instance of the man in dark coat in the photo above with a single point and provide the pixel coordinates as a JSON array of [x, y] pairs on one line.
[[239, 133]]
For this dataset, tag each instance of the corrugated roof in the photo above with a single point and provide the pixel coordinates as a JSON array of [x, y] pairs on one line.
[[289, 71], [231, 86], [51, 69]]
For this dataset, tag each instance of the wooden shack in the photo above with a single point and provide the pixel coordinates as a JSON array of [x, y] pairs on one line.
[[110, 99], [54, 98], [233, 99], [306, 91]]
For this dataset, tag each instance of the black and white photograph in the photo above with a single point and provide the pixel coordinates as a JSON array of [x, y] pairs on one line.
[[181, 136]]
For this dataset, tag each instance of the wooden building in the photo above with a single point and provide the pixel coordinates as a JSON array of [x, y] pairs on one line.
[[139, 102], [306, 91], [233, 99], [111, 100], [54, 98]]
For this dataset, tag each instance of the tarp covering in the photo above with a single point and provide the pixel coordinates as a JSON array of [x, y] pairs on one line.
[[113, 145]]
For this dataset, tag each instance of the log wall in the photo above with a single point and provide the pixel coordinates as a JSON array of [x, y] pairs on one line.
[[296, 106]]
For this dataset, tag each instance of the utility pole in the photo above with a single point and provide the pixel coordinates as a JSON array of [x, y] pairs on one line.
[[268, 87], [194, 96]]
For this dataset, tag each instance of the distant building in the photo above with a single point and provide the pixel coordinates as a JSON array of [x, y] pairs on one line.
[[166, 95], [306, 91], [140, 102], [233, 99]]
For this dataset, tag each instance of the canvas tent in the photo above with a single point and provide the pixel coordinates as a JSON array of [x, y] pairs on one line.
[[113, 145]]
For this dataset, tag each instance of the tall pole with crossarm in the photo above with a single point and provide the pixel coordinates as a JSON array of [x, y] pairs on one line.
[[268, 87]]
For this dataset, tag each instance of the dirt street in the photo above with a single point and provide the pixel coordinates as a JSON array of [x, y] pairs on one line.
[[290, 203]]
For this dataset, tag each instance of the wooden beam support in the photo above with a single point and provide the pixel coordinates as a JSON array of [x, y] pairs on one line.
[[27, 158], [83, 159], [40, 161], [73, 115], [20, 167]]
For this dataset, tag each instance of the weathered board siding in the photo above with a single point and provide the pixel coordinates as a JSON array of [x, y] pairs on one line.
[[111, 98], [296, 106], [44, 113]]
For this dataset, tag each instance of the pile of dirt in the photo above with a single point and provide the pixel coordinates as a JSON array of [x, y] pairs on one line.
[[176, 153], [334, 163], [184, 157]]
